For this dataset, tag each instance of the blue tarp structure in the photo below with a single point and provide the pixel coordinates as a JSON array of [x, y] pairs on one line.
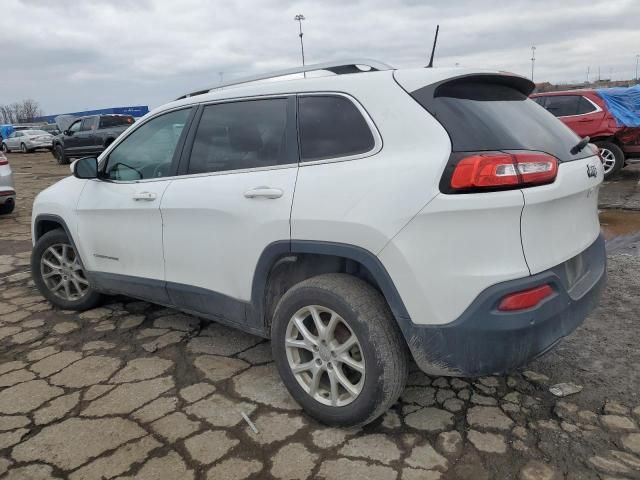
[[623, 103], [6, 130]]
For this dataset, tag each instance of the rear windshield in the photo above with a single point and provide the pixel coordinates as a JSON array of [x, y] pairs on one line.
[[108, 121], [483, 116]]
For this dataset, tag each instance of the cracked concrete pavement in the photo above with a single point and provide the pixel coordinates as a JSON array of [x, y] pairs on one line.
[[134, 390]]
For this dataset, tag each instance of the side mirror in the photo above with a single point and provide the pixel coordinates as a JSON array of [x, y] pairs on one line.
[[68, 133], [85, 168]]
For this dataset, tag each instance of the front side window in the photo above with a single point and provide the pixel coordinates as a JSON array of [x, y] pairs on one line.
[[331, 127], [148, 152], [88, 124], [240, 135], [75, 127], [563, 105]]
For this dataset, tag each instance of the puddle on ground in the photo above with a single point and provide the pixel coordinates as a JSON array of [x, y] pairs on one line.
[[618, 223]]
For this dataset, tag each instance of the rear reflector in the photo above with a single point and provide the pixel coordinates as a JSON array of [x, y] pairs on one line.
[[504, 170], [525, 299]]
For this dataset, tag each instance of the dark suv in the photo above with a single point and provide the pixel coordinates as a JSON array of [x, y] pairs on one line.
[[89, 136]]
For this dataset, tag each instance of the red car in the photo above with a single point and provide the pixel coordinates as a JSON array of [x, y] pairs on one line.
[[586, 113]]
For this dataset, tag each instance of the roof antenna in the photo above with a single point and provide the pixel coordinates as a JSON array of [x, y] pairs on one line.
[[433, 50]]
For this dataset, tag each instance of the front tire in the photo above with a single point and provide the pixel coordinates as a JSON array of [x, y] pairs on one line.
[[339, 350], [613, 158], [58, 273], [58, 153], [5, 149]]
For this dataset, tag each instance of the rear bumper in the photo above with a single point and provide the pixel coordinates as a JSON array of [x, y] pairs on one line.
[[485, 341]]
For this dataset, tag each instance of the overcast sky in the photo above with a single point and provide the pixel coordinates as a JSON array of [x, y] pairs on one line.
[[82, 54]]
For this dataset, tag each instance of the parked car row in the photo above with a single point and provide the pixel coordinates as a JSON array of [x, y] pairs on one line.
[[587, 114]]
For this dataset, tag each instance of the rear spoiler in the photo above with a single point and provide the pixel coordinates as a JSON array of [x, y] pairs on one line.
[[454, 86]]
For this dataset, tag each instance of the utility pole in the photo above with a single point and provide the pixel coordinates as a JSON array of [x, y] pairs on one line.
[[637, 60], [299, 18], [588, 70], [533, 60]]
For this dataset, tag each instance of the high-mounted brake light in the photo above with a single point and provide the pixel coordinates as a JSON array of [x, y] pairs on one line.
[[525, 299], [501, 169]]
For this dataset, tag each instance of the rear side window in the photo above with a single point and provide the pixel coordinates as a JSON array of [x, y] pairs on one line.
[[110, 121], [486, 116], [239, 135], [585, 106], [331, 127], [563, 105]]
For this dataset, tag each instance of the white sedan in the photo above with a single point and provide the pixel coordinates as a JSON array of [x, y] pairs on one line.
[[27, 141]]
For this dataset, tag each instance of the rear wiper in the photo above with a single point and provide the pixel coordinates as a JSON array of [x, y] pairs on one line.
[[580, 145]]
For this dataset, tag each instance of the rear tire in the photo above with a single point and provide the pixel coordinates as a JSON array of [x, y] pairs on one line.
[[5, 149], [613, 158], [23, 148], [357, 311], [58, 153], [52, 249]]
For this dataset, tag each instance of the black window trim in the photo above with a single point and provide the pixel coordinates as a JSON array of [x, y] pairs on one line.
[[292, 144], [377, 138], [103, 158]]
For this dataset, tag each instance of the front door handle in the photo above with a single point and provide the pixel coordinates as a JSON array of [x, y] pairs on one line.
[[263, 192], [144, 196]]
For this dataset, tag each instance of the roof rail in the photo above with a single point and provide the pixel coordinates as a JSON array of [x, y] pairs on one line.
[[339, 68]]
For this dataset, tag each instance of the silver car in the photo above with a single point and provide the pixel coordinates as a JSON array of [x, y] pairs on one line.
[[27, 141], [7, 191]]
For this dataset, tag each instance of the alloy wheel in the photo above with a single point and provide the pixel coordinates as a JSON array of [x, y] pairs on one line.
[[62, 273], [608, 159], [325, 356]]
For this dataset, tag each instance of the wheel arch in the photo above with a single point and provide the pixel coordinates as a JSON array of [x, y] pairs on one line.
[[285, 263]]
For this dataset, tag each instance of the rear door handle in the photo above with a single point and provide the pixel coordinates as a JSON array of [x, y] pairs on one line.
[[263, 192], [144, 196]]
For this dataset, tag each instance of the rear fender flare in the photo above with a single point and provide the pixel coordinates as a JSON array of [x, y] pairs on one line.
[[279, 249]]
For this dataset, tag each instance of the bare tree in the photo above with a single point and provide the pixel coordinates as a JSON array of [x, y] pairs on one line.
[[20, 112], [29, 110]]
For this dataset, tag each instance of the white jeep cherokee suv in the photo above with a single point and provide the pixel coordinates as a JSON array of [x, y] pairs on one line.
[[358, 220]]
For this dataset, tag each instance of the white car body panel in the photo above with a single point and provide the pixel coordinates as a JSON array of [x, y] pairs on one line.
[[214, 235], [457, 246], [560, 220], [366, 201], [60, 200], [119, 234]]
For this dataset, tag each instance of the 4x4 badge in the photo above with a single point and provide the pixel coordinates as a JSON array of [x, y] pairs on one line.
[[592, 171]]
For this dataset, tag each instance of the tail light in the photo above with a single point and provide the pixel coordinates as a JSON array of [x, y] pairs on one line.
[[525, 299], [502, 170], [3, 160]]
